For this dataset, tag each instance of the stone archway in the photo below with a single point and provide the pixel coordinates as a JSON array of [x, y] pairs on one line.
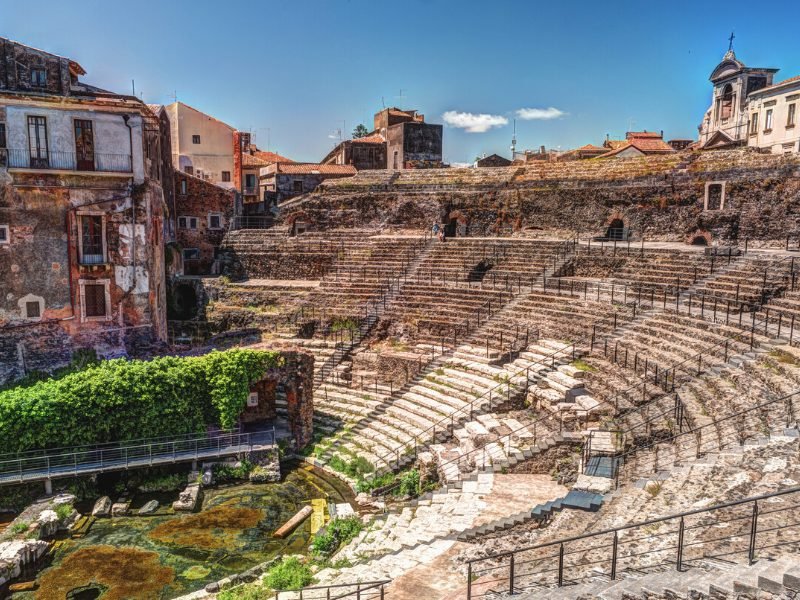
[[457, 224], [616, 230], [298, 223], [700, 237]]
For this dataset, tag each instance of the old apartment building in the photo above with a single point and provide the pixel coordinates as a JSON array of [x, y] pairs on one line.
[[401, 139], [202, 145], [82, 211], [749, 109]]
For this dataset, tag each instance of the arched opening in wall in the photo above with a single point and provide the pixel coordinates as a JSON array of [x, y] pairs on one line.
[[726, 103], [699, 240], [184, 303], [451, 227], [616, 230]]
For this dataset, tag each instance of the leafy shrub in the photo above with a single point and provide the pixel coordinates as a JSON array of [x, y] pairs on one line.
[[256, 591], [336, 534], [409, 483], [355, 467], [289, 574], [224, 473], [18, 528], [127, 399], [63, 511]]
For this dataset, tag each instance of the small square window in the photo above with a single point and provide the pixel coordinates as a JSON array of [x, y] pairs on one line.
[[252, 399], [5, 234], [297, 186], [215, 221], [188, 170], [94, 300], [187, 222], [183, 187], [195, 139], [33, 310], [191, 254], [38, 77], [226, 176]]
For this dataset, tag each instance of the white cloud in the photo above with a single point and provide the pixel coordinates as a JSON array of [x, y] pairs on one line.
[[539, 114], [473, 123]]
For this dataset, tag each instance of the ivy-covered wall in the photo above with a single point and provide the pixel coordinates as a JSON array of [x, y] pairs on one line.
[[128, 399]]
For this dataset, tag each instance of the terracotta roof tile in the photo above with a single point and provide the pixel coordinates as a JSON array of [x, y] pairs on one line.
[[272, 157], [313, 168], [372, 138]]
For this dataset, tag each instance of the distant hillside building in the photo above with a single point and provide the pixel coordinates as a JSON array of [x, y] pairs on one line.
[[401, 139], [493, 160], [282, 181], [637, 143], [748, 108]]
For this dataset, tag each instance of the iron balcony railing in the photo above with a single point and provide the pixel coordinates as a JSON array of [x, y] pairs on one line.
[[15, 158], [69, 462]]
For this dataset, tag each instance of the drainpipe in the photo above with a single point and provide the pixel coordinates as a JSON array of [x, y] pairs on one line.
[[127, 119]]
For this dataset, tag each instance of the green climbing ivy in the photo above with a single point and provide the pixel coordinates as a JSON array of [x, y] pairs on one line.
[[128, 399]]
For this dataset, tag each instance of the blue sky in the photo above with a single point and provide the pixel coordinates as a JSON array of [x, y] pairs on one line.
[[295, 72]]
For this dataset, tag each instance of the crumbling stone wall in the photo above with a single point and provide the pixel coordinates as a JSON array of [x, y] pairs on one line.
[[294, 380], [41, 262], [762, 200], [16, 62]]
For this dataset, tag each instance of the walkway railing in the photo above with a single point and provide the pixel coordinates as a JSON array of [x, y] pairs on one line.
[[367, 590], [739, 531], [70, 462]]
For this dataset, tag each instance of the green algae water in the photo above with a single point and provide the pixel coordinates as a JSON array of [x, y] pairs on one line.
[[170, 554]]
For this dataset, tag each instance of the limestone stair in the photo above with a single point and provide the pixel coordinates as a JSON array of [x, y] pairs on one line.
[[764, 579], [575, 500]]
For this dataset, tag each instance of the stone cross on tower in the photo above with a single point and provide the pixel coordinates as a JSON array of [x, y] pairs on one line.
[[730, 42]]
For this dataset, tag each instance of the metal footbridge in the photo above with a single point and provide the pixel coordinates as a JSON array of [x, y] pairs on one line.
[[44, 465]]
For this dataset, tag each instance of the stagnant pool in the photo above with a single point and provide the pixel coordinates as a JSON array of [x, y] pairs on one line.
[[169, 554]]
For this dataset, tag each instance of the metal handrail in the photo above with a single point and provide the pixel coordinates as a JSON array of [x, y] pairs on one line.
[[83, 461], [378, 587], [615, 531], [21, 158]]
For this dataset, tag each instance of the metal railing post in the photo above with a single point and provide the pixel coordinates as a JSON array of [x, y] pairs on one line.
[[614, 556], [511, 576], [561, 564], [679, 562], [751, 554]]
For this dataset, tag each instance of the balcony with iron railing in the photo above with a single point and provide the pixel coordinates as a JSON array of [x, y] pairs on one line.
[[15, 158]]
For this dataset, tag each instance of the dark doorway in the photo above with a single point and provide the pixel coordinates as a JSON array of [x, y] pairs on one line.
[[184, 303], [699, 240], [451, 228], [84, 145], [616, 230]]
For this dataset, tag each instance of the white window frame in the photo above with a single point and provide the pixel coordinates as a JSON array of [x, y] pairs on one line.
[[92, 213], [82, 283], [768, 118], [183, 187], [5, 241], [23, 307], [219, 216], [187, 221], [722, 197], [252, 400]]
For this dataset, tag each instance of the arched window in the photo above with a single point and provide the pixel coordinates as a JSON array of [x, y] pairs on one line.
[[726, 102]]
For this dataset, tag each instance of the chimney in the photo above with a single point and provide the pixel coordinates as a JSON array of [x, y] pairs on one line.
[[541, 149]]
